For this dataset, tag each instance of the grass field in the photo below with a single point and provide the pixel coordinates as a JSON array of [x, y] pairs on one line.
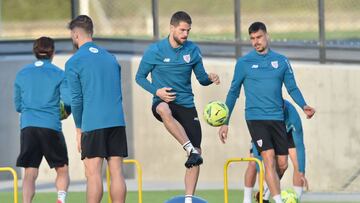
[[212, 196]]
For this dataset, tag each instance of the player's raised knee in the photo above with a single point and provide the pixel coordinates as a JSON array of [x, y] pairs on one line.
[[163, 110]]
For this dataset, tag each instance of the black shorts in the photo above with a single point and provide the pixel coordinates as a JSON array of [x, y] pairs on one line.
[[291, 143], [188, 118], [36, 142], [269, 134], [104, 143]]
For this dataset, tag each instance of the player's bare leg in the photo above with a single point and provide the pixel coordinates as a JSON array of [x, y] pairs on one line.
[[282, 165], [62, 182], [171, 124], [299, 180], [191, 179], [118, 186], [178, 132], [271, 176], [250, 179], [28, 184], [94, 186]]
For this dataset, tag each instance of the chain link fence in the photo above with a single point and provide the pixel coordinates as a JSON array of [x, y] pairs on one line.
[[28, 19], [289, 22]]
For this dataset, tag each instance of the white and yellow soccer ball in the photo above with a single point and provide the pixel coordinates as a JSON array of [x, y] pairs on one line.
[[216, 113], [289, 196]]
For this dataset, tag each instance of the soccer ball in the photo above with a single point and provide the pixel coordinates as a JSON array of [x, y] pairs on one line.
[[216, 113], [289, 196], [63, 113]]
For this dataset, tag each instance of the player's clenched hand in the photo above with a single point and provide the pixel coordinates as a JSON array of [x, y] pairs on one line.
[[309, 111], [305, 182], [78, 139], [165, 94], [223, 131], [214, 78]]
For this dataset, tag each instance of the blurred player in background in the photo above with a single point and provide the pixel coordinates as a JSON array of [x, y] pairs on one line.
[[37, 92], [263, 73], [94, 77], [171, 62]]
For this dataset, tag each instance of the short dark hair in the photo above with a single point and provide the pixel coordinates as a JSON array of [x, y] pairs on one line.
[[180, 16], [43, 48], [84, 22], [256, 26]]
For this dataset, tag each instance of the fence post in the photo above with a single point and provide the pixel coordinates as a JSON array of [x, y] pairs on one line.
[[74, 8], [237, 16], [155, 15], [322, 48]]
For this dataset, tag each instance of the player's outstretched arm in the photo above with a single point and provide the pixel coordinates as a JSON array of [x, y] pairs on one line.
[[213, 77], [223, 131], [309, 111]]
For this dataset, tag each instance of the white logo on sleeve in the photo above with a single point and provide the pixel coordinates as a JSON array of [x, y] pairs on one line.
[[259, 142], [166, 60], [187, 58], [255, 66], [38, 63], [93, 50], [275, 64]]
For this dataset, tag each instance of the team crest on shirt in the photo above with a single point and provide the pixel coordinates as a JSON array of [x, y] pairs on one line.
[[38, 63], [259, 142], [93, 50], [275, 64], [187, 58]]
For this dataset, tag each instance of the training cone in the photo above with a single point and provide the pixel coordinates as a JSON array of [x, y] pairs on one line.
[[181, 199]]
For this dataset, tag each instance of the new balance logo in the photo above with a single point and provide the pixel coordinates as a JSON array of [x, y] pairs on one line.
[[93, 50], [166, 60], [255, 66]]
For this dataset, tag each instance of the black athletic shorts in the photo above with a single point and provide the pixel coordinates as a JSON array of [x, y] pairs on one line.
[[291, 143], [104, 143], [36, 142], [269, 134], [187, 117]]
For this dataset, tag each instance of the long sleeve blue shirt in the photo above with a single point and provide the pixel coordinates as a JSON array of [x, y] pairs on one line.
[[38, 89], [172, 67], [94, 77], [263, 77], [293, 125]]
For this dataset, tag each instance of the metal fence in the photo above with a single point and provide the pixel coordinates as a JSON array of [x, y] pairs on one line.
[[311, 24]]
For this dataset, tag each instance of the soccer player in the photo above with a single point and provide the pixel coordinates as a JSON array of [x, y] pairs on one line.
[[171, 62], [38, 89], [263, 72], [296, 152], [94, 77]]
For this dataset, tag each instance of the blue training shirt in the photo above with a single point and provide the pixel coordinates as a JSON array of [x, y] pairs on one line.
[[94, 77], [263, 77], [38, 89], [172, 67], [293, 125]]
